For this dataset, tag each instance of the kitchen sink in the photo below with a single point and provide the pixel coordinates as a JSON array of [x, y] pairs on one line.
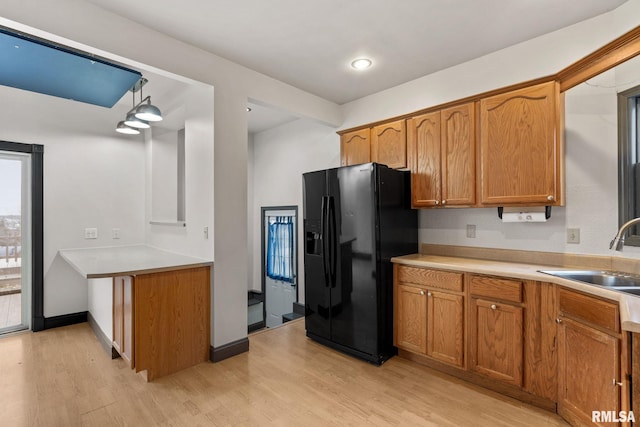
[[624, 282]]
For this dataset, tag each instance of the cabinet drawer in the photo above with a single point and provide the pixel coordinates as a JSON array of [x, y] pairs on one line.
[[496, 288], [592, 310], [431, 278]]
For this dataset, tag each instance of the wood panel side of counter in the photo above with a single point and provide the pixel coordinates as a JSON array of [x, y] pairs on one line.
[[172, 320]]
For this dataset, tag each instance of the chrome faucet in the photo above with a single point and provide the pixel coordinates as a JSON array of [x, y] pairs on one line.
[[618, 241]]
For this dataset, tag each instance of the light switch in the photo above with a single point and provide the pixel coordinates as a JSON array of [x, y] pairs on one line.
[[115, 233]]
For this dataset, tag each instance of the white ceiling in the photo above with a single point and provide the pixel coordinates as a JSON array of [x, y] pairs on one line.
[[309, 44]]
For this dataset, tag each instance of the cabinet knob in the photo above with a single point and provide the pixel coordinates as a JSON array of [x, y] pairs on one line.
[[421, 292], [493, 306], [558, 320], [428, 294], [444, 201], [550, 198], [437, 202], [618, 383]]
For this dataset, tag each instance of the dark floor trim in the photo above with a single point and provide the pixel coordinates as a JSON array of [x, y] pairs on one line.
[[65, 320], [229, 350], [103, 339], [256, 326]]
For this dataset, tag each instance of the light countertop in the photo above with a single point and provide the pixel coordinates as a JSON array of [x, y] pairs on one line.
[[93, 263], [629, 304]]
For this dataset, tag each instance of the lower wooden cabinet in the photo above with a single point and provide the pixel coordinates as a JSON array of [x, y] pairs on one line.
[[497, 340], [429, 314], [544, 344], [445, 327], [411, 318], [497, 328], [172, 320], [592, 375], [161, 321]]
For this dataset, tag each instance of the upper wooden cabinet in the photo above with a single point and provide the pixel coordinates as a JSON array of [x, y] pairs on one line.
[[442, 157], [389, 144], [521, 147], [355, 147]]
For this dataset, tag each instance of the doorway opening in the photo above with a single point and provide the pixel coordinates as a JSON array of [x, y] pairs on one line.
[[279, 262], [20, 237]]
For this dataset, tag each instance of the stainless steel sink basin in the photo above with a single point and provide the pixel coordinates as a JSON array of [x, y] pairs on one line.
[[624, 282]]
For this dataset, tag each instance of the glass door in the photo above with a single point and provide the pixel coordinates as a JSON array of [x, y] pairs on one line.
[[15, 241]]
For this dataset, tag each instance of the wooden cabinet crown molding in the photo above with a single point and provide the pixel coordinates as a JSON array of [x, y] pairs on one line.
[[616, 52]]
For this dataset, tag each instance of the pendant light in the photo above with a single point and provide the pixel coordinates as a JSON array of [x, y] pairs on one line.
[[147, 112], [139, 116], [128, 130], [131, 120], [134, 122]]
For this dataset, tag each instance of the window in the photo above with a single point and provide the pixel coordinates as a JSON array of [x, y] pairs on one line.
[[280, 248], [629, 161]]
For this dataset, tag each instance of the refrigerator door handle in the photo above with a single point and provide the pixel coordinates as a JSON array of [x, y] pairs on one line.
[[324, 225], [333, 241]]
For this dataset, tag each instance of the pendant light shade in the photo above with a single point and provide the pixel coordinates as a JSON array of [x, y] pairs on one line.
[[140, 114], [135, 122], [128, 130], [148, 112]]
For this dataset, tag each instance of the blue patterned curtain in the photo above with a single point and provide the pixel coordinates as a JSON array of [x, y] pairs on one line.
[[280, 248]]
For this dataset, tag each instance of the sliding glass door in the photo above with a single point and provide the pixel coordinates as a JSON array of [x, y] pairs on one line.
[[15, 241]]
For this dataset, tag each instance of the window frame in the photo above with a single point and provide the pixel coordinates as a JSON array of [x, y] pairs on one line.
[[628, 130]]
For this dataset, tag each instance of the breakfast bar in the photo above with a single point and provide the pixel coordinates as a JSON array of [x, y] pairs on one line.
[[147, 305]]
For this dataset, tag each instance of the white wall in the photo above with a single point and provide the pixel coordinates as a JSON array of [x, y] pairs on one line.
[[92, 178], [189, 240], [280, 156]]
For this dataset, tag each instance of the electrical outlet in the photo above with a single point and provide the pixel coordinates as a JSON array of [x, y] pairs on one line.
[[471, 231], [115, 233], [573, 235], [90, 233]]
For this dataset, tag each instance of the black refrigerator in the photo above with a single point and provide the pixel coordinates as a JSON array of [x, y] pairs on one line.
[[355, 219]]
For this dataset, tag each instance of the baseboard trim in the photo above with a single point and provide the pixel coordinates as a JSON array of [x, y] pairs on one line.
[[103, 339], [37, 324], [65, 320], [228, 350]]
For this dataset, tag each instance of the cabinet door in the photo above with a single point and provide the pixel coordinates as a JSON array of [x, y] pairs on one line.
[[118, 308], [355, 147], [520, 158], [588, 369], [496, 340], [458, 155], [123, 317], [411, 319], [445, 320], [423, 136], [389, 144]]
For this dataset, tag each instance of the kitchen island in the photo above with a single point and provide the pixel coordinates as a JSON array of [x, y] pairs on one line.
[[150, 306]]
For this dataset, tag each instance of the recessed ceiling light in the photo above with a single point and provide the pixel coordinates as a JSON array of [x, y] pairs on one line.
[[361, 63]]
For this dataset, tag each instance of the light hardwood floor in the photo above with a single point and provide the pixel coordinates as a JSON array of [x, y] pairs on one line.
[[62, 377]]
